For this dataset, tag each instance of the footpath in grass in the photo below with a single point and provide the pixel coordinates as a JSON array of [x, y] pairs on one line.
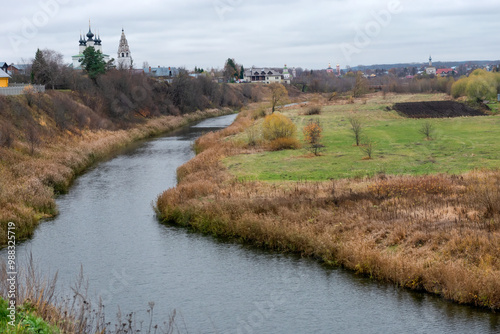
[[457, 144]]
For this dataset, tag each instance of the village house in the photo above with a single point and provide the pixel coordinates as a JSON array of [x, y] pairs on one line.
[[4, 66], [4, 79], [267, 75], [444, 71]]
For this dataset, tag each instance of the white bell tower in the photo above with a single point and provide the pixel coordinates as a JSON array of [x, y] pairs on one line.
[[124, 56]]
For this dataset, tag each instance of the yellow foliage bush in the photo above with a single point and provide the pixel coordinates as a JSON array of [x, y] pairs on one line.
[[277, 126], [479, 85]]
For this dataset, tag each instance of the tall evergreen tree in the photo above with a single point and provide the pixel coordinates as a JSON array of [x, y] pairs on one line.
[[242, 72], [230, 70], [39, 69], [93, 63]]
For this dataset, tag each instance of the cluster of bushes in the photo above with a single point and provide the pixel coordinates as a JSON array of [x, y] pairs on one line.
[[123, 95], [480, 85]]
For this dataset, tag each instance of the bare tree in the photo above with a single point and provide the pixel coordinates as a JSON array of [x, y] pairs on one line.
[[278, 95], [33, 137], [54, 67], [367, 148], [356, 128], [427, 129], [360, 85]]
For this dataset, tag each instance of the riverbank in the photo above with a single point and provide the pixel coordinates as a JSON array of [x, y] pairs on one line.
[[29, 181], [436, 233]]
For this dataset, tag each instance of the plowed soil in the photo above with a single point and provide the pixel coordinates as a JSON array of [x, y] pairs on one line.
[[436, 109]]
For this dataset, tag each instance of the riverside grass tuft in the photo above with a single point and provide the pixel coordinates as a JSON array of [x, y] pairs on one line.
[[437, 233], [40, 309]]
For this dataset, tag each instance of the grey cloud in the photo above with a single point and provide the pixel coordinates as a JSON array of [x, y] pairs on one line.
[[262, 32]]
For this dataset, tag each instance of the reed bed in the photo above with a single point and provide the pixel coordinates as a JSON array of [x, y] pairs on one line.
[[435, 233], [29, 182]]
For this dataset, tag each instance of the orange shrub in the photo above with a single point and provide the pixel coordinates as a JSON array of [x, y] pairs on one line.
[[284, 144]]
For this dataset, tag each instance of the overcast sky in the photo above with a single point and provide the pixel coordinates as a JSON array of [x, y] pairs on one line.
[[305, 33]]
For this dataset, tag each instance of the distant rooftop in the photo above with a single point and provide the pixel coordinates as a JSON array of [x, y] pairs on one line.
[[3, 74]]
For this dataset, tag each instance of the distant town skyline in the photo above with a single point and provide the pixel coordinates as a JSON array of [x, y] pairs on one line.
[[260, 33]]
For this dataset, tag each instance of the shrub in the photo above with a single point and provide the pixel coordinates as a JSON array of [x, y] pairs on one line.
[[259, 113], [278, 126], [312, 136], [6, 135], [252, 135], [286, 143]]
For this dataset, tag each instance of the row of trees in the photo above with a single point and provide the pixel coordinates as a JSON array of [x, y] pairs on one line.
[[357, 84]]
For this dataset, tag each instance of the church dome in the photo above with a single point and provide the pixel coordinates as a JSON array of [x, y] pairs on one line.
[[90, 35], [82, 41]]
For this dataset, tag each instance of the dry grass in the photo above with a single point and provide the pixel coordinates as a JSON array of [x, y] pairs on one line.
[[29, 182], [72, 314], [438, 233]]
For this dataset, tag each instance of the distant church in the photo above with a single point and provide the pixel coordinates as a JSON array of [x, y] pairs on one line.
[[90, 41], [124, 59], [431, 70]]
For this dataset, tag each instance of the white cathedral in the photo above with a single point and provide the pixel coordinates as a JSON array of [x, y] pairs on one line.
[[124, 60]]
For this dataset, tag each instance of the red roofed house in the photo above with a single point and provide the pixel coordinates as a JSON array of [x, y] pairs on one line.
[[444, 71]]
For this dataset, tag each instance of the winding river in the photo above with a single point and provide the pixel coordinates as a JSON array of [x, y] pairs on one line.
[[107, 225]]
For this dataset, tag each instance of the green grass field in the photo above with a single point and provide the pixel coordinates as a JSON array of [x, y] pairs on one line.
[[458, 145]]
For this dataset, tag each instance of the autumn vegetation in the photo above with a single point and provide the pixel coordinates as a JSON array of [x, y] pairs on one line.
[[46, 140], [41, 309], [438, 233]]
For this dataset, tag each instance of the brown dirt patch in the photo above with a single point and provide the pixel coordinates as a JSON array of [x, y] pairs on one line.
[[436, 109]]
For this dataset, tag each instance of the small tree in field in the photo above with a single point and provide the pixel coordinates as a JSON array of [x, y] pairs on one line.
[[312, 136], [278, 95], [356, 128], [367, 148]]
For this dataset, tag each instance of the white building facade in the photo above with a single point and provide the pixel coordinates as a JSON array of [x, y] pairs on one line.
[[267, 76]]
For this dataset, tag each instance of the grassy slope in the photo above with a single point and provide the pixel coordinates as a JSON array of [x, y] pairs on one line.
[[459, 144]]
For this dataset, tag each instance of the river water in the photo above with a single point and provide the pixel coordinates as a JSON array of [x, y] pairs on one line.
[[107, 225]]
